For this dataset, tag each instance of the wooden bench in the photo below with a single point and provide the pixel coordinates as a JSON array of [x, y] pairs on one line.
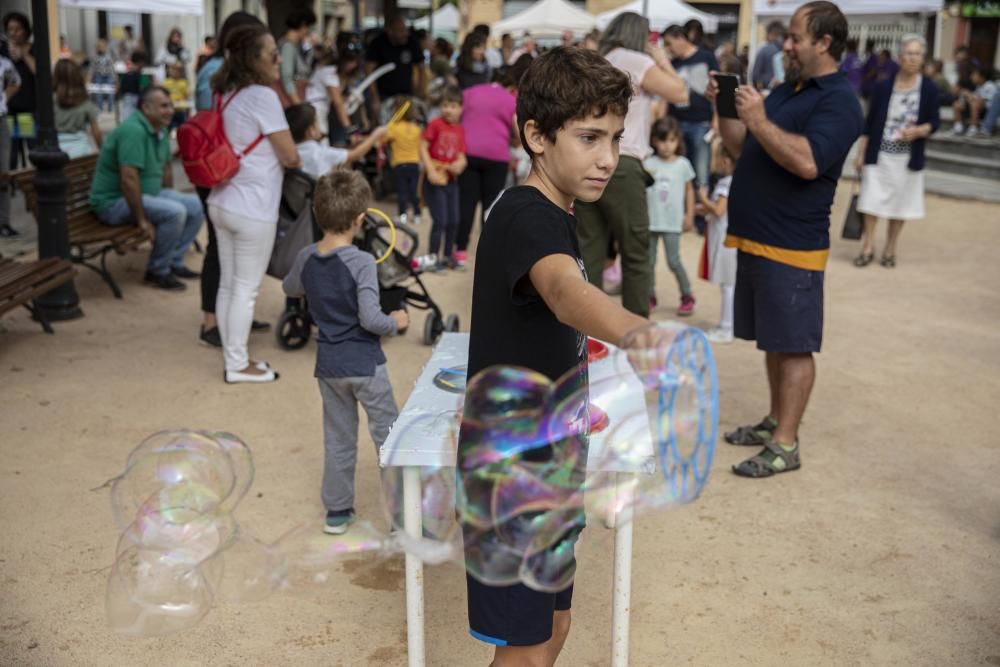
[[22, 282], [89, 238]]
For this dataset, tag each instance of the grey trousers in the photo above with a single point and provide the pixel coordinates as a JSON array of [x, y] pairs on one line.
[[672, 247], [340, 429]]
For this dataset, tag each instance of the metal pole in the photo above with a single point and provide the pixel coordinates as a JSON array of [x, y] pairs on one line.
[[622, 595], [645, 8], [63, 302], [412, 523]]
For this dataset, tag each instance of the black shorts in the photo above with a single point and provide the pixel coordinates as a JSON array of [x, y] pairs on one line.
[[778, 305], [513, 615]]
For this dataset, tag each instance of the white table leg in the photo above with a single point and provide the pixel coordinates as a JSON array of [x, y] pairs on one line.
[[621, 600], [412, 522]]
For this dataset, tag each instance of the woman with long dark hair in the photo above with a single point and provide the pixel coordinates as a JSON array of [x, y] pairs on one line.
[[173, 52], [244, 209], [472, 68]]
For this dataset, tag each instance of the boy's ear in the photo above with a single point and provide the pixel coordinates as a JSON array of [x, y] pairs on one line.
[[534, 137], [361, 216]]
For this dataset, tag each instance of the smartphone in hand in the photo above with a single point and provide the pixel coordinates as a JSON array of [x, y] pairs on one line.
[[725, 101]]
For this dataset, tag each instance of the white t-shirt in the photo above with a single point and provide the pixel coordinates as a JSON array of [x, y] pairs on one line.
[[323, 78], [255, 191], [639, 120], [318, 159]]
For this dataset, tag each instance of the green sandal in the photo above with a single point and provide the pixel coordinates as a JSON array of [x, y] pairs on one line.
[[753, 436], [762, 465]]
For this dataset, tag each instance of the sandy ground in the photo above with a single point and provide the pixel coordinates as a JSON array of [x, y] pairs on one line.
[[884, 549]]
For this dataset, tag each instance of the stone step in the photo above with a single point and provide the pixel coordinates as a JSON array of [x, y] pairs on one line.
[[964, 165], [945, 142]]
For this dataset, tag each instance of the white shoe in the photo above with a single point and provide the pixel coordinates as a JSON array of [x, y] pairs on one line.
[[416, 219], [972, 131], [720, 336], [401, 219], [238, 377], [958, 128]]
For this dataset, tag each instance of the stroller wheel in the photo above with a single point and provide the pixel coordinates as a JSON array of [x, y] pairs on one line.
[[451, 322], [433, 326], [293, 331]]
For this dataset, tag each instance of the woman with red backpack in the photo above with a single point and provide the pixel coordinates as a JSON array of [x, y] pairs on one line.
[[244, 208]]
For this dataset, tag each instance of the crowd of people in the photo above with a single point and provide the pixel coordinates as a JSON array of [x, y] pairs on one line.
[[582, 160]]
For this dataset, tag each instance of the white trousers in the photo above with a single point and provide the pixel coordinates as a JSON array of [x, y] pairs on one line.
[[245, 248], [728, 302]]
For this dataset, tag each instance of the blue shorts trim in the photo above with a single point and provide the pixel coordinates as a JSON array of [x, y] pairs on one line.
[[486, 638]]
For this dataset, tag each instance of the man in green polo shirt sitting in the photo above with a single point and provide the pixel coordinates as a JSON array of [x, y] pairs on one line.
[[134, 185]]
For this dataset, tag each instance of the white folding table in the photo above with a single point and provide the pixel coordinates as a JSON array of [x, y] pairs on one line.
[[415, 448]]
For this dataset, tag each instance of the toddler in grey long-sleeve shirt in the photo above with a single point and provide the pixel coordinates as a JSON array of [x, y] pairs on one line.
[[341, 285]]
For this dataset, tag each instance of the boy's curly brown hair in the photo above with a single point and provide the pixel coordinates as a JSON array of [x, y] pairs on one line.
[[568, 83], [339, 198]]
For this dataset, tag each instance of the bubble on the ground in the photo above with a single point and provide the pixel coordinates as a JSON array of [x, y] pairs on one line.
[[538, 461]]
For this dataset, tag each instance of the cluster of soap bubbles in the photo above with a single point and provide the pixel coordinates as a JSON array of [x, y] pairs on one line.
[[538, 460]]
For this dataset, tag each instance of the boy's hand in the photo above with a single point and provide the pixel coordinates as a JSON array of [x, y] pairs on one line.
[[688, 223], [402, 320], [646, 348], [703, 193], [437, 176]]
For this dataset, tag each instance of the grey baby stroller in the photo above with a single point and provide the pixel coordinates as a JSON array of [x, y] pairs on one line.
[[399, 283]]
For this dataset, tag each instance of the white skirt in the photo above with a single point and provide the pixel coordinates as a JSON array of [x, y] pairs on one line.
[[890, 189]]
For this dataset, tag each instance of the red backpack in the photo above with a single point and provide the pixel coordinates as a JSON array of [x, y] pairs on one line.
[[207, 155]]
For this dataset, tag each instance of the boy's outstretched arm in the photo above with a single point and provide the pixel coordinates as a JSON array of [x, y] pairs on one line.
[[357, 152], [577, 303]]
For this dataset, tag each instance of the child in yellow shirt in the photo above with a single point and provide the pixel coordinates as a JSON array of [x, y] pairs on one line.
[[404, 138], [177, 85]]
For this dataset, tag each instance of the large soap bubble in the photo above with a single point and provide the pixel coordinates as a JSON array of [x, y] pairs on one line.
[[524, 464]]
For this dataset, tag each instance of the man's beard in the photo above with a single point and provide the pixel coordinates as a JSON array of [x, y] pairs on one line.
[[793, 72]]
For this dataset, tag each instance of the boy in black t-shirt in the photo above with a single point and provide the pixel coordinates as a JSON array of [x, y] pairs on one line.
[[532, 307]]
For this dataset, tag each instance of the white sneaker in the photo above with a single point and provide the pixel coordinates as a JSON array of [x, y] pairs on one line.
[[416, 219], [972, 131], [401, 219], [958, 128], [238, 377], [720, 336]]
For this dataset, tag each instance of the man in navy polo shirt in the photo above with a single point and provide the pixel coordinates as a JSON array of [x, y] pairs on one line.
[[791, 146]]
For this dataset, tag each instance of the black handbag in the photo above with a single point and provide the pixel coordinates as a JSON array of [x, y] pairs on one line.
[[854, 223]]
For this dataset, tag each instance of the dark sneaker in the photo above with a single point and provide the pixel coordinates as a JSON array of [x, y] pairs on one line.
[[337, 521], [8, 232], [166, 281], [260, 326], [211, 337], [185, 272]]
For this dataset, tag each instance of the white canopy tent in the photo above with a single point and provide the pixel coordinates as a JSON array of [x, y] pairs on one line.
[[661, 14], [179, 7], [446, 19], [546, 18]]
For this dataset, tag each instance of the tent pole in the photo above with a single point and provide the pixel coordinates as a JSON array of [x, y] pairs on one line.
[[645, 8]]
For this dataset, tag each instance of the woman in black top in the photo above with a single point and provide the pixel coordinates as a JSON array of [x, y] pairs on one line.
[[472, 68], [21, 106]]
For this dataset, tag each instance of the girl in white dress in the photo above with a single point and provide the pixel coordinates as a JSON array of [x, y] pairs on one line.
[[718, 263]]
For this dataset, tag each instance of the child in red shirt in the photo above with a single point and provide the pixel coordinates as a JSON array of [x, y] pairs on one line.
[[442, 152]]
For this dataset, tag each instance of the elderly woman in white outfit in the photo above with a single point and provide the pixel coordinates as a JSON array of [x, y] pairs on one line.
[[903, 112], [244, 209]]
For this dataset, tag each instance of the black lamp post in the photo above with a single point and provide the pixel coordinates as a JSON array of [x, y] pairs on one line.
[[61, 303]]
